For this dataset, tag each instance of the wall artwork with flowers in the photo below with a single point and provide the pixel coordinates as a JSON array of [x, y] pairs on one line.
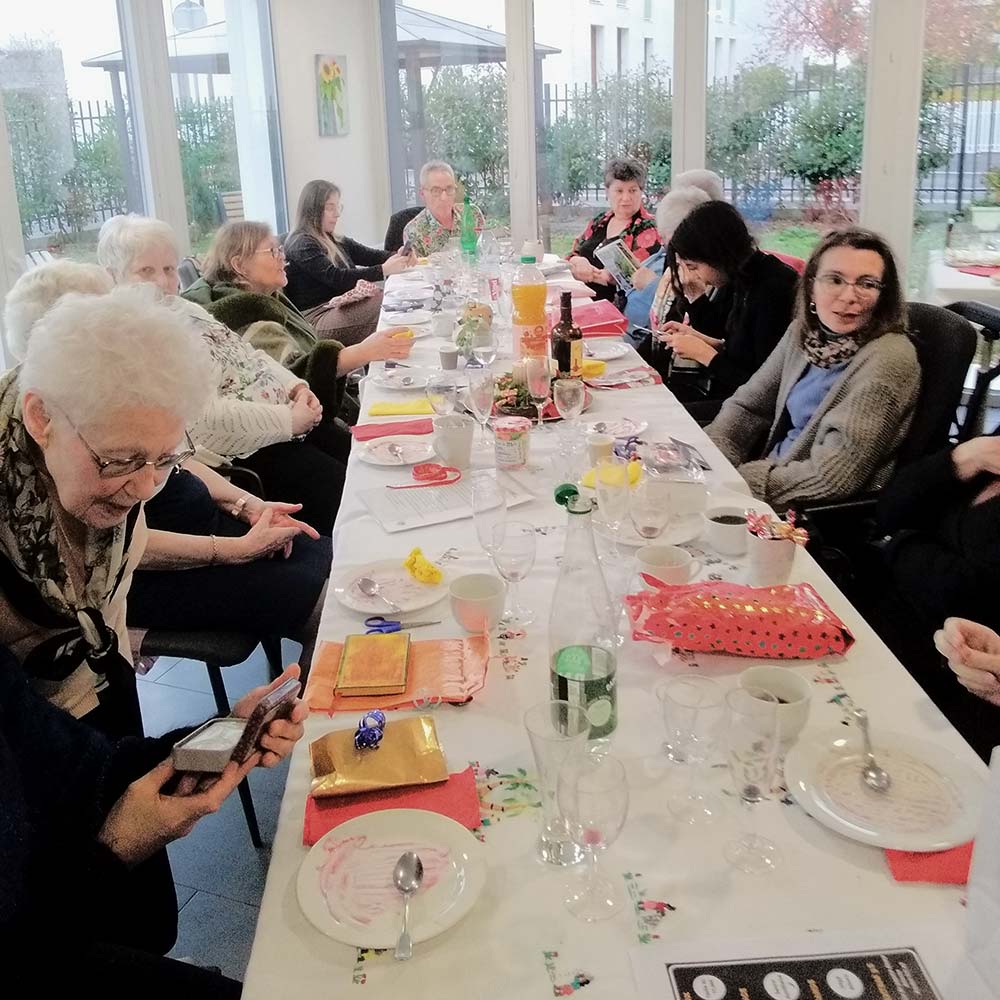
[[331, 95]]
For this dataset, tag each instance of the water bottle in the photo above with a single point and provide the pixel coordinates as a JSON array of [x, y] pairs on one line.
[[489, 268]]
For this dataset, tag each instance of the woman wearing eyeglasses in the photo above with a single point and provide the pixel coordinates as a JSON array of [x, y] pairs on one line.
[[824, 416]]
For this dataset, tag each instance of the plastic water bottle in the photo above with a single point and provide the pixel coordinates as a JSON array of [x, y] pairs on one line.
[[489, 268]]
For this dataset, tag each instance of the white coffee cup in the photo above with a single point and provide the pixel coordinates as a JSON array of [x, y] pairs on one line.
[[453, 439], [793, 690], [668, 563], [728, 539], [769, 560], [448, 354], [477, 601], [600, 446]]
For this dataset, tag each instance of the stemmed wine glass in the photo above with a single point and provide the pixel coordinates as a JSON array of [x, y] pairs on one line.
[[441, 393], [694, 713], [489, 508], [649, 507], [593, 798], [481, 392], [514, 555], [612, 488], [539, 379], [569, 397], [752, 736]]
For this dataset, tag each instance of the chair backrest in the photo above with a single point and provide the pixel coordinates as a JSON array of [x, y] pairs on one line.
[[988, 319], [188, 272], [946, 345], [397, 223]]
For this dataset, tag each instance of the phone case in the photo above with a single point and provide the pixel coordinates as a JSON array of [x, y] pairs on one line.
[[277, 704]]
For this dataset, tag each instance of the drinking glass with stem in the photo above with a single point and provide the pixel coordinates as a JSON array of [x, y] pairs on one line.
[[612, 487], [489, 508], [481, 392], [539, 378], [649, 506], [441, 393], [514, 555], [752, 744], [569, 397]]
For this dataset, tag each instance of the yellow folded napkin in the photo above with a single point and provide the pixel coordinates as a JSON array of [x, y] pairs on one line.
[[634, 475], [592, 367], [413, 407]]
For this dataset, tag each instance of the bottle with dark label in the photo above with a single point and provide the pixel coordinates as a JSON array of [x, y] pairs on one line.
[[567, 340]]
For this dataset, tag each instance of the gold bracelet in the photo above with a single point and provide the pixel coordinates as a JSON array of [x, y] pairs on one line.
[[215, 551]]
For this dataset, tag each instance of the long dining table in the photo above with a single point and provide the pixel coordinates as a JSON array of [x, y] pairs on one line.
[[519, 941]]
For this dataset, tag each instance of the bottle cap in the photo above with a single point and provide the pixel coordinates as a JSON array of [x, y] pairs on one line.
[[568, 496], [526, 259]]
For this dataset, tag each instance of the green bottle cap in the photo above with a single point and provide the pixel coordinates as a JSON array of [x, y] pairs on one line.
[[564, 491], [528, 260], [568, 496]]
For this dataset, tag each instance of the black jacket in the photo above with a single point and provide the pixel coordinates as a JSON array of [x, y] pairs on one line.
[[314, 279]]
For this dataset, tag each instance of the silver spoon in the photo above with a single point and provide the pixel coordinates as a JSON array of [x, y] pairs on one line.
[[370, 588], [600, 427], [875, 777], [406, 877], [395, 451]]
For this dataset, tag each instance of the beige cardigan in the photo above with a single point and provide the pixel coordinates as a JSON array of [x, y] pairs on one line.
[[849, 445]]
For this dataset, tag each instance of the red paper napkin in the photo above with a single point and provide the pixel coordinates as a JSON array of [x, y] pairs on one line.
[[980, 270], [455, 798], [949, 867], [368, 432]]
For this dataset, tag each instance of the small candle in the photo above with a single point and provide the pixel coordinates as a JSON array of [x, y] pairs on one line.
[[518, 375]]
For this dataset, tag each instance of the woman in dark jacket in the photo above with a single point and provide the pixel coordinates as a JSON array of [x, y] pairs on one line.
[[329, 276], [722, 307]]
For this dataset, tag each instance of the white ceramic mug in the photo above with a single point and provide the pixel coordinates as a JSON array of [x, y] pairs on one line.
[[769, 560], [453, 439], [792, 690], [668, 563], [477, 601], [728, 539], [600, 446]]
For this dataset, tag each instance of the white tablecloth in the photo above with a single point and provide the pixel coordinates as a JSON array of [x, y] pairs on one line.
[[948, 284], [519, 942]]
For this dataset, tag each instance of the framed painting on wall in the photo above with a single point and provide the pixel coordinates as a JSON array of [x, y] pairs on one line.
[[331, 95]]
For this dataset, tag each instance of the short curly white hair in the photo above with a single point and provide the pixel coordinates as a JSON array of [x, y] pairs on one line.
[[708, 180], [95, 355], [675, 206], [38, 290], [124, 237]]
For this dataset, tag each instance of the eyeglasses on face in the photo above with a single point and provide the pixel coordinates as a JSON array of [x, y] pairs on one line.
[[112, 468], [277, 252], [437, 192], [865, 286]]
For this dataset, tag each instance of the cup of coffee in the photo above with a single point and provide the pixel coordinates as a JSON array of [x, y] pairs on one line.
[[668, 563], [477, 601], [448, 353], [453, 439], [600, 446], [769, 560], [726, 530], [793, 692]]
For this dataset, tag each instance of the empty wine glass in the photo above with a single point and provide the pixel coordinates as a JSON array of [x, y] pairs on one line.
[[612, 488], [752, 737], [649, 507], [489, 508], [569, 397], [694, 713], [480, 397], [442, 394], [539, 379], [514, 555], [592, 794]]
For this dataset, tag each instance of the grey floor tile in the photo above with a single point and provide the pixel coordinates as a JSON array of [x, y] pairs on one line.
[[160, 667], [192, 675], [165, 708], [217, 931], [184, 894]]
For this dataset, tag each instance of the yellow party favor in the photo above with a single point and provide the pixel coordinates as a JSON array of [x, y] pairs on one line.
[[414, 407], [634, 475], [421, 569], [592, 367]]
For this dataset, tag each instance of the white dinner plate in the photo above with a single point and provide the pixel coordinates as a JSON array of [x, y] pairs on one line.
[[623, 427], [681, 530], [409, 449], [345, 884], [406, 303], [415, 318], [932, 804], [609, 351], [396, 378], [394, 582]]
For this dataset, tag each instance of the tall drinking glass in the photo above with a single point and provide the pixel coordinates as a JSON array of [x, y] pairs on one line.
[[514, 555], [556, 729], [539, 379], [612, 488], [489, 508], [484, 346], [441, 393], [593, 798], [752, 737], [481, 389]]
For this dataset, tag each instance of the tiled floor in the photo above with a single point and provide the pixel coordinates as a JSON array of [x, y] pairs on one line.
[[219, 874]]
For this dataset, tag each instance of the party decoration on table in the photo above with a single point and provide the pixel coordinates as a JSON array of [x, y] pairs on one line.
[[593, 368], [430, 474], [589, 478], [787, 622], [512, 399], [411, 406], [368, 432], [773, 529], [504, 794], [629, 378], [408, 754], [455, 798], [564, 989], [374, 664], [370, 731], [421, 568], [450, 669], [949, 867], [649, 913], [599, 318]]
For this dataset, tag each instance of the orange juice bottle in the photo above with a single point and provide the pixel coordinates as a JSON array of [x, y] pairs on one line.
[[531, 325]]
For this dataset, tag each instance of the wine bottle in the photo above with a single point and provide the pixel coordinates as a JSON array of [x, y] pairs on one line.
[[567, 340]]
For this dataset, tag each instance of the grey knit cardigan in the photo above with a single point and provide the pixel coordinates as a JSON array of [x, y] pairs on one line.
[[849, 445]]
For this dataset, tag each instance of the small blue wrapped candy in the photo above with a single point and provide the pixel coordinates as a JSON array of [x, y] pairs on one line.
[[373, 719], [367, 737]]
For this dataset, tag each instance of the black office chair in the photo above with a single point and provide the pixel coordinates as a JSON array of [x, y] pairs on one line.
[[397, 223], [987, 318]]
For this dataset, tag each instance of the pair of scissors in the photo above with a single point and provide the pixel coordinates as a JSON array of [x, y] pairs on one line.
[[377, 623]]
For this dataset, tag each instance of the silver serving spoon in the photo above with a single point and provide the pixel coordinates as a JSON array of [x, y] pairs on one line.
[[370, 588], [875, 777], [406, 877]]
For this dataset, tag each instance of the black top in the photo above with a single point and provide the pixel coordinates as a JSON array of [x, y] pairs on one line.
[[944, 556], [640, 236], [397, 223], [313, 278], [750, 314]]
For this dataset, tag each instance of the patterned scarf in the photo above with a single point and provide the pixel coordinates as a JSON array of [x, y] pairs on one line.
[[825, 349], [33, 574]]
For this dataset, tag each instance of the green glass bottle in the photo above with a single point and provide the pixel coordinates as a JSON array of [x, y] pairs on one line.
[[468, 234]]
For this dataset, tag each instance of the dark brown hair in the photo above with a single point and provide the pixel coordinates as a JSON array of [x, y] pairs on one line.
[[309, 218], [625, 169]]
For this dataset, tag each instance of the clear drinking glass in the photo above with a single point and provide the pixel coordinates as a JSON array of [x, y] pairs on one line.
[[441, 393], [484, 347], [556, 729], [569, 397], [694, 714], [649, 507], [489, 508], [539, 379], [514, 555], [752, 738], [593, 799], [611, 486], [481, 389]]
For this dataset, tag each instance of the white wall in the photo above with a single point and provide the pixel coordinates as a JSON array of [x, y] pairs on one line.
[[358, 163]]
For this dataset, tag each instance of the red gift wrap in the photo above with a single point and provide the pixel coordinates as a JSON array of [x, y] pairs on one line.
[[790, 622]]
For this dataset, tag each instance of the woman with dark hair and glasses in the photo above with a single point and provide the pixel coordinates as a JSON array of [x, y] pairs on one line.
[[722, 305], [627, 220], [824, 417], [330, 277]]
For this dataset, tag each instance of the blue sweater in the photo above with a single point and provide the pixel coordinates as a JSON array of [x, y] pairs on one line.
[[804, 400], [638, 303]]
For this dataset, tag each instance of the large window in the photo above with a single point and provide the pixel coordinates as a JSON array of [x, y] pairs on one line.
[[69, 121], [586, 116], [785, 116]]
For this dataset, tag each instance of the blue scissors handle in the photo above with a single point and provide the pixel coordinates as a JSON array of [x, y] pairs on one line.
[[383, 625]]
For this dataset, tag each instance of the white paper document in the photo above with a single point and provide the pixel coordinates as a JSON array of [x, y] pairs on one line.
[[400, 510]]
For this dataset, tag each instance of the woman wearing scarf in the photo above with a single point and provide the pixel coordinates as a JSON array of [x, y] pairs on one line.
[[824, 416]]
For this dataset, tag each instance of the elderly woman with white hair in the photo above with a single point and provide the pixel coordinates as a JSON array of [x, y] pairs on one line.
[[441, 220]]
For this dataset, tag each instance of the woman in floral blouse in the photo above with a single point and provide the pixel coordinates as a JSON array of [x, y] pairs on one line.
[[627, 220]]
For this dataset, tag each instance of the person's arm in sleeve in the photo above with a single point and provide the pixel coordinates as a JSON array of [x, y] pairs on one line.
[[367, 258], [235, 427], [919, 493], [312, 259]]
